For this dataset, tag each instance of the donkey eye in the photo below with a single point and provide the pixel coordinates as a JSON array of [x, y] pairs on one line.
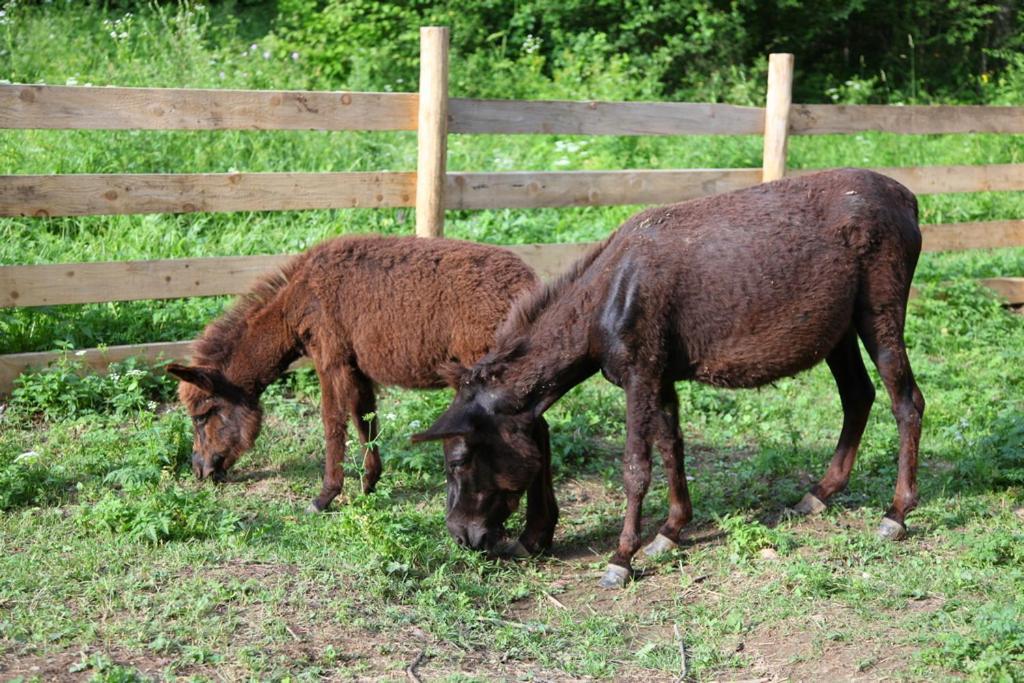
[[201, 419], [458, 462]]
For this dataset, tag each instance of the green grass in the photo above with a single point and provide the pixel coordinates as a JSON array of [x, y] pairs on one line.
[[115, 565]]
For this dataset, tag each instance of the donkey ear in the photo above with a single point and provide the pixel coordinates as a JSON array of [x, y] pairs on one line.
[[455, 421], [204, 378]]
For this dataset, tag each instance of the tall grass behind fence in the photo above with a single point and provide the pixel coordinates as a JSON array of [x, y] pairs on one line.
[[430, 189]]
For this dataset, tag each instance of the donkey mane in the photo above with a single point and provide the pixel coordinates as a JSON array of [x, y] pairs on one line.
[[528, 308], [510, 341], [220, 338]]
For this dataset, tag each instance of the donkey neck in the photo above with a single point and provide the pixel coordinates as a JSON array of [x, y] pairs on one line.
[[557, 355], [252, 345]]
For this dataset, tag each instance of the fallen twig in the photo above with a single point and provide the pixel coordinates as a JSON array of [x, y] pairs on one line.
[[410, 671], [292, 633], [683, 669], [554, 601]]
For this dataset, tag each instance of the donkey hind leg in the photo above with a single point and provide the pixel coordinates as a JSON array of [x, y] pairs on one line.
[[882, 334], [856, 392], [641, 412], [335, 388], [364, 403], [669, 440]]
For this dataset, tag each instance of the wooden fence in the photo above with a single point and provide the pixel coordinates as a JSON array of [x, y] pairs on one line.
[[430, 189]]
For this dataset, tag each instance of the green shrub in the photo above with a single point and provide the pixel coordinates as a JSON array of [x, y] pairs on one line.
[[24, 480], [160, 513], [65, 391]]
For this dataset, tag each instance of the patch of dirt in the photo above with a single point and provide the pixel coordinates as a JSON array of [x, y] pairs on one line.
[[815, 647], [23, 661]]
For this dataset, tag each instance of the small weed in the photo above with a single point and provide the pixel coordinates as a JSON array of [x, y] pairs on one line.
[[157, 514], [747, 537], [990, 646], [64, 390], [104, 670]]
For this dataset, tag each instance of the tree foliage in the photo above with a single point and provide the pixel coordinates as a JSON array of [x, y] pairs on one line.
[[849, 50]]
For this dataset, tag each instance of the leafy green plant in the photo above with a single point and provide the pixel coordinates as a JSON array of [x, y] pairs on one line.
[[24, 480], [160, 513], [747, 536], [65, 390], [990, 646]]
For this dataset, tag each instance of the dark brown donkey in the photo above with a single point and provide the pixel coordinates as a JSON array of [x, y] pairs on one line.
[[735, 290], [366, 310]]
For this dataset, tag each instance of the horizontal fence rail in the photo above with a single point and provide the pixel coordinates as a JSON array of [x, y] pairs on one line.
[[88, 194], [547, 260], [82, 283], [602, 118], [110, 108], [100, 194], [79, 107], [829, 119], [538, 189], [12, 365]]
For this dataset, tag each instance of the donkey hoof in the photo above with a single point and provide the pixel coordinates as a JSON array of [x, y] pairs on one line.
[[315, 507], [810, 504], [659, 545], [891, 530], [614, 577]]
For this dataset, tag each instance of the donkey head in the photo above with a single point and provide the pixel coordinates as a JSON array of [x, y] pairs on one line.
[[226, 420], [492, 455]]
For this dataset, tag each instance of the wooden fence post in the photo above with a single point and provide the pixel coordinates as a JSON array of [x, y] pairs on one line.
[[776, 116], [433, 130]]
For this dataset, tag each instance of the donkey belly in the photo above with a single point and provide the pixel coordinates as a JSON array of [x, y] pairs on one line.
[[772, 336]]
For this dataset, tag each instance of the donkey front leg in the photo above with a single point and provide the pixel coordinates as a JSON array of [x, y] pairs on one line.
[[541, 506], [641, 410], [334, 389]]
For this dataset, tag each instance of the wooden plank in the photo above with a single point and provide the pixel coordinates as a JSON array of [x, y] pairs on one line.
[[943, 179], [949, 179], [97, 360], [59, 106], [776, 116], [829, 119], [432, 137], [530, 189], [550, 260], [547, 259], [81, 283], [99, 194], [12, 365], [981, 235], [602, 118], [1009, 288]]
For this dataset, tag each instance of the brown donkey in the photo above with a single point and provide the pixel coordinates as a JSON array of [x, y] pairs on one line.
[[735, 290], [366, 310]]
